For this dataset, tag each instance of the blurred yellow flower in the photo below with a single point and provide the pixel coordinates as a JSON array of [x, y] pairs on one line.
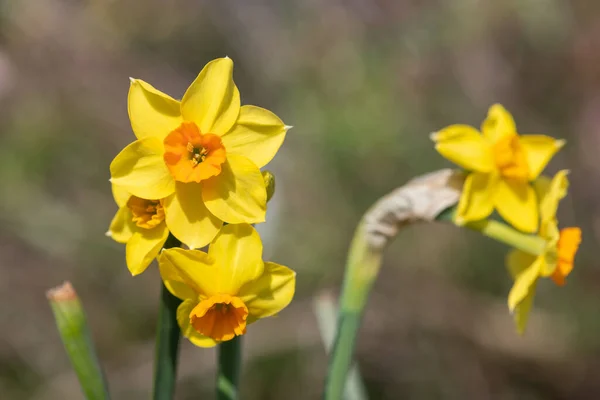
[[141, 225], [502, 164], [227, 288], [202, 154], [557, 260]]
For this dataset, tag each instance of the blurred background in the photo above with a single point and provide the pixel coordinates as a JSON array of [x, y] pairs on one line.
[[364, 83]]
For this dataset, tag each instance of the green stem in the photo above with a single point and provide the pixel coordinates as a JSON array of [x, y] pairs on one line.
[[362, 269], [501, 232], [326, 311], [75, 334], [167, 340], [230, 353], [532, 244]]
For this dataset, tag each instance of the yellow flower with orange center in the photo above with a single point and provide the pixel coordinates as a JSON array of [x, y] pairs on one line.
[[555, 262], [140, 224], [227, 288], [502, 164], [201, 155]]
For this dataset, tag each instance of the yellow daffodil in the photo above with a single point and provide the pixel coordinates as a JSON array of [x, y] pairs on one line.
[[201, 155], [557, 260], [502, 164], [141, 225], [227, 288]]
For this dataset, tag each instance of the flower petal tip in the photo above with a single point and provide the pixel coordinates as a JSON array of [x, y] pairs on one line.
[[132, 80], [108, 234], [560, 143], [287, 127], [434, 136]]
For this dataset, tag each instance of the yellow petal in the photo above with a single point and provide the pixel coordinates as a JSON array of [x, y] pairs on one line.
[[122, 226], [476, 200], [213, 101], [174, 282], [270, 293], [523, 284], [195, 268], [187, 217], [237, 250], [539, 150], [183, 320], [257, 135], [140, 169], [151, 112], [522, 310], [498, 124], [550, 192], [516, 202], [120, 194], [518, 261], [464, 146], [238, 194], [143, 247]]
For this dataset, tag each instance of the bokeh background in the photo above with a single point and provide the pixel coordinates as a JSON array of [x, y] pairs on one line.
[[364, 83]]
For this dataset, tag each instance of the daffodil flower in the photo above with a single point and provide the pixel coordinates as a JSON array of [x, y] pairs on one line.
[[201, 155], [140, 224], [227, 288], [502, 164], [556, 261]]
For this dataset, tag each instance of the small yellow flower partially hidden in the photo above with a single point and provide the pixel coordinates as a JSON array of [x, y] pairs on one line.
[[557, 260], [141, 225], [202, 154], [227, 288], [502, 164]]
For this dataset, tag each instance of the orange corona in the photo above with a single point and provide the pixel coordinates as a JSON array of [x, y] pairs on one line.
[[192, 156], [567, 246], [146, 213], [221, 317], [510, 158]]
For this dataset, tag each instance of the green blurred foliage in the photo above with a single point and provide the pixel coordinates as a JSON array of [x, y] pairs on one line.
[[363, 83]]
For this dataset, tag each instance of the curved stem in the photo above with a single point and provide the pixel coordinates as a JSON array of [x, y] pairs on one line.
[[230, 355], [426, 199], [167, 340], [362, 269]]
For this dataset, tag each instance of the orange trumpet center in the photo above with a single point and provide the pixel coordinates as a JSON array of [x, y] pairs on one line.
[[146, 213], [221, 317], [568, 244], [510, 158], [192, 156]]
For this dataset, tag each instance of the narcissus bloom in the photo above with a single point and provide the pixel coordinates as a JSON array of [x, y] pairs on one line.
[[502, 164], [557, 260], [227, 288], [201, 155], [139, 223]]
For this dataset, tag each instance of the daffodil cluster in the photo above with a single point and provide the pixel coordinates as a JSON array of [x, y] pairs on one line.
[[194, 172], [503, 173]]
